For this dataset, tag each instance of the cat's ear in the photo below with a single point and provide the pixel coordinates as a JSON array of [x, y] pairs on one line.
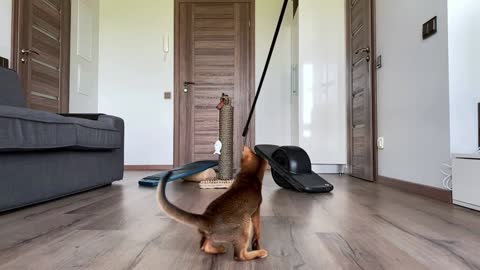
[[244, 153], [247, 151]]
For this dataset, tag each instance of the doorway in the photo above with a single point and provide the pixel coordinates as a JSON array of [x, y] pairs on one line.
[[362, 91], [41, 52], [215, 52]]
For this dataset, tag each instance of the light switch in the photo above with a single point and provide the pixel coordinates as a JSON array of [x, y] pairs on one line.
[[381, 143], [379, 62], [167, 95]]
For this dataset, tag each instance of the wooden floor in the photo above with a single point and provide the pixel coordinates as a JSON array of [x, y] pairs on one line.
[[359, 226]]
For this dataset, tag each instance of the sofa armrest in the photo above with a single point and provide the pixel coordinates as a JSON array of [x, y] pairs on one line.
[[117, 122], [119, 154]]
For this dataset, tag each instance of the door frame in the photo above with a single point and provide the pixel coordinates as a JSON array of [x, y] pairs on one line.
[[177, 84], [17, 21], [373, 69]]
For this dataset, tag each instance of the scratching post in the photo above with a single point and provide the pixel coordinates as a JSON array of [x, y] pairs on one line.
[[225, 165]]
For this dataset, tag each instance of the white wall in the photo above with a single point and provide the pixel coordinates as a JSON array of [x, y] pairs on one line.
[[84, 56], [5, 28], [464, 57], [413, 97], [134, 75], [272, 115]]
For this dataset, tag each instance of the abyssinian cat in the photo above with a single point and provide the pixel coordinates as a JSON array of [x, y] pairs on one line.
[[229, 218]]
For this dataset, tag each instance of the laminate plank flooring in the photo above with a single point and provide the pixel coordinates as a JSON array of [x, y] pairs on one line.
[[360, 225]]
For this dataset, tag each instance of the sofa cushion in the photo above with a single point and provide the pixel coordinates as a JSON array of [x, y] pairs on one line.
[[26, 129], [10, 91]]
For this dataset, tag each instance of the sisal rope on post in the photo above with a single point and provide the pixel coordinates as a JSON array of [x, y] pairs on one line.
[[225, 164]]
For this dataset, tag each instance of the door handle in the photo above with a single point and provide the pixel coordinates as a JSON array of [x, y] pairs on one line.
[[367, 59], [361, 50], [27, 52], [30, 52], [186, 85]]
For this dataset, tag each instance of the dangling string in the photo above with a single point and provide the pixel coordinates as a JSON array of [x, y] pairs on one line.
[[272, 47]]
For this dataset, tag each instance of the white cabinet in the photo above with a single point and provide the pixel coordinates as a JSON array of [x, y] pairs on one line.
[[320, 57], [466, 181]]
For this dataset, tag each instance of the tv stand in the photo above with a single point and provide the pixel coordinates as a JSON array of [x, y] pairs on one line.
[[466, 180]]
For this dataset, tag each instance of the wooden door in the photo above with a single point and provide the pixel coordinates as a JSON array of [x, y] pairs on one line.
[[214, 56], [41, 52], [362, 147]]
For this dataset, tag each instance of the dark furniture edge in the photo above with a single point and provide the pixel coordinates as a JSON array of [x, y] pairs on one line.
[[89, 116], [148, 167]]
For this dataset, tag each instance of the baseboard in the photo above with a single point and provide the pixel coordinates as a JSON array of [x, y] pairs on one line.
[[419, 189], [328, 168], [467, 205], [148, 167]]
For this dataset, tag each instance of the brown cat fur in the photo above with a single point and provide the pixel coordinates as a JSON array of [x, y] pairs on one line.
[[229, 218]]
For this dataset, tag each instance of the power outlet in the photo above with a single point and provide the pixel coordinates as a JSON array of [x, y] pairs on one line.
[[167, 95], [381, 143], [429, 28]]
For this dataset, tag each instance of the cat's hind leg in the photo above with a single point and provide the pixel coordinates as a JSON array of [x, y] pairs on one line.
[[209, 247], [202, 239]]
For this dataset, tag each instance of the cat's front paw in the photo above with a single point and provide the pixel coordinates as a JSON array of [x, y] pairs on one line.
[[262, 253]]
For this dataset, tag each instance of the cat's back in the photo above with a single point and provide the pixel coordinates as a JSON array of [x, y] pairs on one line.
[[243, 197]]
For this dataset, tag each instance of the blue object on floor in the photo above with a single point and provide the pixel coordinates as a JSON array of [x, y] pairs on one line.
[[179, 173]]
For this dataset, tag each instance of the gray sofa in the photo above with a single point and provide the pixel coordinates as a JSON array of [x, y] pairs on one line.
[[44, 156]]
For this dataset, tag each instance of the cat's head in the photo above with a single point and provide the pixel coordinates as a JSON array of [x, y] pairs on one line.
[[250, 160]]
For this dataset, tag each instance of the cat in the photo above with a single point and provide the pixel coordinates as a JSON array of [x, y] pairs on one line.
[[229, 218]]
